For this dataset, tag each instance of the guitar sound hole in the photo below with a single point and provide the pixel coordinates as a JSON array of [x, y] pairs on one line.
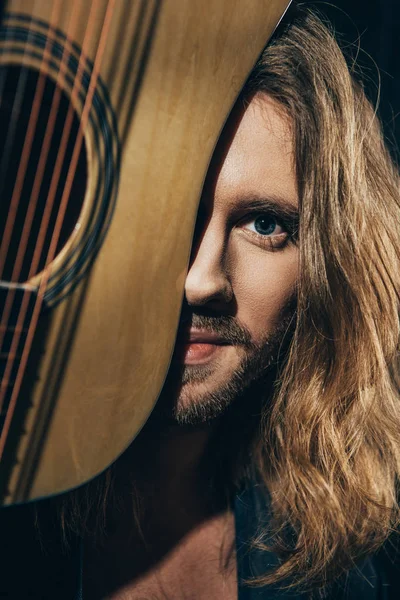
[[16, 105]]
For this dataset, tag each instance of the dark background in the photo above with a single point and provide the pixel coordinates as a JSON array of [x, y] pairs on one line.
[[374, 25]]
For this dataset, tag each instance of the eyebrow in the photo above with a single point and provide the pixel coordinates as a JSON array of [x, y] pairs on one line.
[[276, 205]]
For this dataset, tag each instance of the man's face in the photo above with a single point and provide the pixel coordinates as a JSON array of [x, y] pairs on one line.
[[240, 288]]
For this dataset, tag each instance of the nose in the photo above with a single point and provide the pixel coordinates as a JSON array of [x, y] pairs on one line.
[[208, 280]]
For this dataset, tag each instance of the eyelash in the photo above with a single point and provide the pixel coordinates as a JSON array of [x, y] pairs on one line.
[[272, 241]]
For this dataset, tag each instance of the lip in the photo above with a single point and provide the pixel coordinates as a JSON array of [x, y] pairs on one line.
[[195, 347], [199, 336]]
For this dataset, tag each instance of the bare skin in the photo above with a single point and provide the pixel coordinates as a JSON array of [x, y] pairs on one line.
[[244, 266], [183, 533]]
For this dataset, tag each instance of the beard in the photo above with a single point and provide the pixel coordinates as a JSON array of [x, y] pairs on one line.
[[185, 400]]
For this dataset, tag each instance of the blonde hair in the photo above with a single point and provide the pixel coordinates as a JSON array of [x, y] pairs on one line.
[[329, 451], [330, 448]]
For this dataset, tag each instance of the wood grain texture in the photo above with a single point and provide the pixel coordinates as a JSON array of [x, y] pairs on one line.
[[173, 71]]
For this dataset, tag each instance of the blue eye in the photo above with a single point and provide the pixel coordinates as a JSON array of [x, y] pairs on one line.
[[265, 225]]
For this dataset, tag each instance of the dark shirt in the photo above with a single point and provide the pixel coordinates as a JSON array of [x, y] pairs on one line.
[[37, 567], [370, 581]]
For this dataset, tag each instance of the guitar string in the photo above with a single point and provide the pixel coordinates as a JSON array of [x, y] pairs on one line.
[[31, 130], [63, 205], [18, 186], [16, 196], [10, 138], [3, 49], [50, 198], [38, 181], [3, 78], [14, 119]]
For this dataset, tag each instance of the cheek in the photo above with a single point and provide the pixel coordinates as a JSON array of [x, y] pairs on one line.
[[263, 282]]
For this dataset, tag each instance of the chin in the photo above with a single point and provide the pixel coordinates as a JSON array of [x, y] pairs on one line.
[[200, 401], [194, 395], [199, 394]]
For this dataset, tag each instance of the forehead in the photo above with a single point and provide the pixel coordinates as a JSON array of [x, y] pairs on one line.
[[255, 154]]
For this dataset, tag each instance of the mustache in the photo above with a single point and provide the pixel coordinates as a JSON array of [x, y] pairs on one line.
[[225, 326]]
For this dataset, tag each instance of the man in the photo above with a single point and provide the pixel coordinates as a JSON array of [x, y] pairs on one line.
[[273, 452]]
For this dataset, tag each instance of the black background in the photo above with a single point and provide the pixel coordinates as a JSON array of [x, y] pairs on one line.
[[374, 25]]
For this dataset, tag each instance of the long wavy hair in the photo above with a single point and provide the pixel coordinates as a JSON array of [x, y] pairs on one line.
[[329, 444], [329, 452]]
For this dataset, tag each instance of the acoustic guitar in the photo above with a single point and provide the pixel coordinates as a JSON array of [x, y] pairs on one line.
[[109, 114]]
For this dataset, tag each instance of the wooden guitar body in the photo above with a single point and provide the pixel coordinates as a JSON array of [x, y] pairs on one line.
[[149, 84]]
